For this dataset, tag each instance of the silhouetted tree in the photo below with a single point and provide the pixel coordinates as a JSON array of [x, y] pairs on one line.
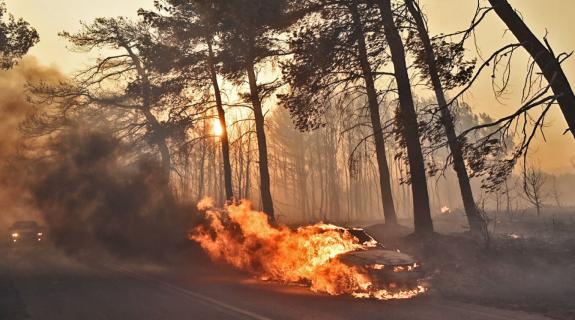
[[191, 27], [331, 58], [449, 57], [407, 121], [246, 29], [16, 38], [129, 82], [541, 90], [533, 182], [544, 56]]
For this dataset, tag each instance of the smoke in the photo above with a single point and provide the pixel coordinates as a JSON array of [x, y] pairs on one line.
[[95, 194], [15, 200], [88, 187]]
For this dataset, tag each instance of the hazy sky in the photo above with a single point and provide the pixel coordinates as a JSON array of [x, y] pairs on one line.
[[555, 16]]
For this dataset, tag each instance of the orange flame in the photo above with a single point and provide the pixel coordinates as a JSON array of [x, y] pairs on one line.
[[244, 238]]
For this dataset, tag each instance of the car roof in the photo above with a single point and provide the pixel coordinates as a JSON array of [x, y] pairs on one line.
[[379, 256], [25, 224]]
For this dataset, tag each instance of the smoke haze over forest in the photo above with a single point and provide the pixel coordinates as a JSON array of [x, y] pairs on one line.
[[550, 16]]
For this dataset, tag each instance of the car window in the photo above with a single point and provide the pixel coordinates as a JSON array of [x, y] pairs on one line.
[[360, 235]]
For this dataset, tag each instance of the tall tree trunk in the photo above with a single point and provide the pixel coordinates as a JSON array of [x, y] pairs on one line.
[[248, 179], [266, 196], [384, 176], [312, 171], [476, 222], [334, 185], [544, 58], [507, 197], [222, 118], [166, 162], [408, 118], [211, 166], [159, 133], [201, 179], [301, 176], [239, 163]]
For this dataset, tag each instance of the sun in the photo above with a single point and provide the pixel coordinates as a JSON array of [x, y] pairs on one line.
[[217, 129]]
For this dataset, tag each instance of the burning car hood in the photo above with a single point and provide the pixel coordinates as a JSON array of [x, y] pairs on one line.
[[376, 256]]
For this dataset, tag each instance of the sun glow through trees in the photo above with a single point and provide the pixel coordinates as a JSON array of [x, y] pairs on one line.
[[217, 128]]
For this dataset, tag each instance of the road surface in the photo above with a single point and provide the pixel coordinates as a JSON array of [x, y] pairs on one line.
[[45, 284]]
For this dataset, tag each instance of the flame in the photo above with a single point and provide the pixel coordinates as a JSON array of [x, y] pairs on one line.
[[308, 255]]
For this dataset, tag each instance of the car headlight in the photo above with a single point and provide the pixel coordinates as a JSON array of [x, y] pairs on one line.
[[377, 266], [40, 234], [15, 235], [411, 267], [399, 269], [402, 268]]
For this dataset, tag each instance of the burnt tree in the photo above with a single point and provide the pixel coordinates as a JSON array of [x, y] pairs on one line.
[[549, 64], [331, 61], [246, 29], [476, 222], [192, 29], [533, 184], [384, 177], [407, 118]]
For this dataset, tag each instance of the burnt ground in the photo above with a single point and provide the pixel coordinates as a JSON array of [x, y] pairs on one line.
[[528, 265]]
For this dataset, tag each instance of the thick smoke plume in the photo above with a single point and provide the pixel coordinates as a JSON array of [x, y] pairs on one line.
[[93, 193], [15, 198], [88, 187]]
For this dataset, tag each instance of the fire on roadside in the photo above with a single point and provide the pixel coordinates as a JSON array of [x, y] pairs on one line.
[[243, 238]]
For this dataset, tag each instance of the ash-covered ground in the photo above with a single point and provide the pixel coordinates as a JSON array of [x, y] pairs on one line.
[[527, 263]]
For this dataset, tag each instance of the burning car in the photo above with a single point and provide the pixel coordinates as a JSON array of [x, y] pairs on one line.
[[25, 232], [325, 257], [389, 270]]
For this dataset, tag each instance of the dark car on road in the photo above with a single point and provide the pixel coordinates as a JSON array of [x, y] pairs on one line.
[[25, 232]]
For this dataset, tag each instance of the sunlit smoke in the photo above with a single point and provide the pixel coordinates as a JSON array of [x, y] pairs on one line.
[[15, 198]]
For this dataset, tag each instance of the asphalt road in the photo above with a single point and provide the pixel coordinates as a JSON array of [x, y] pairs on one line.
[[45, 284]]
